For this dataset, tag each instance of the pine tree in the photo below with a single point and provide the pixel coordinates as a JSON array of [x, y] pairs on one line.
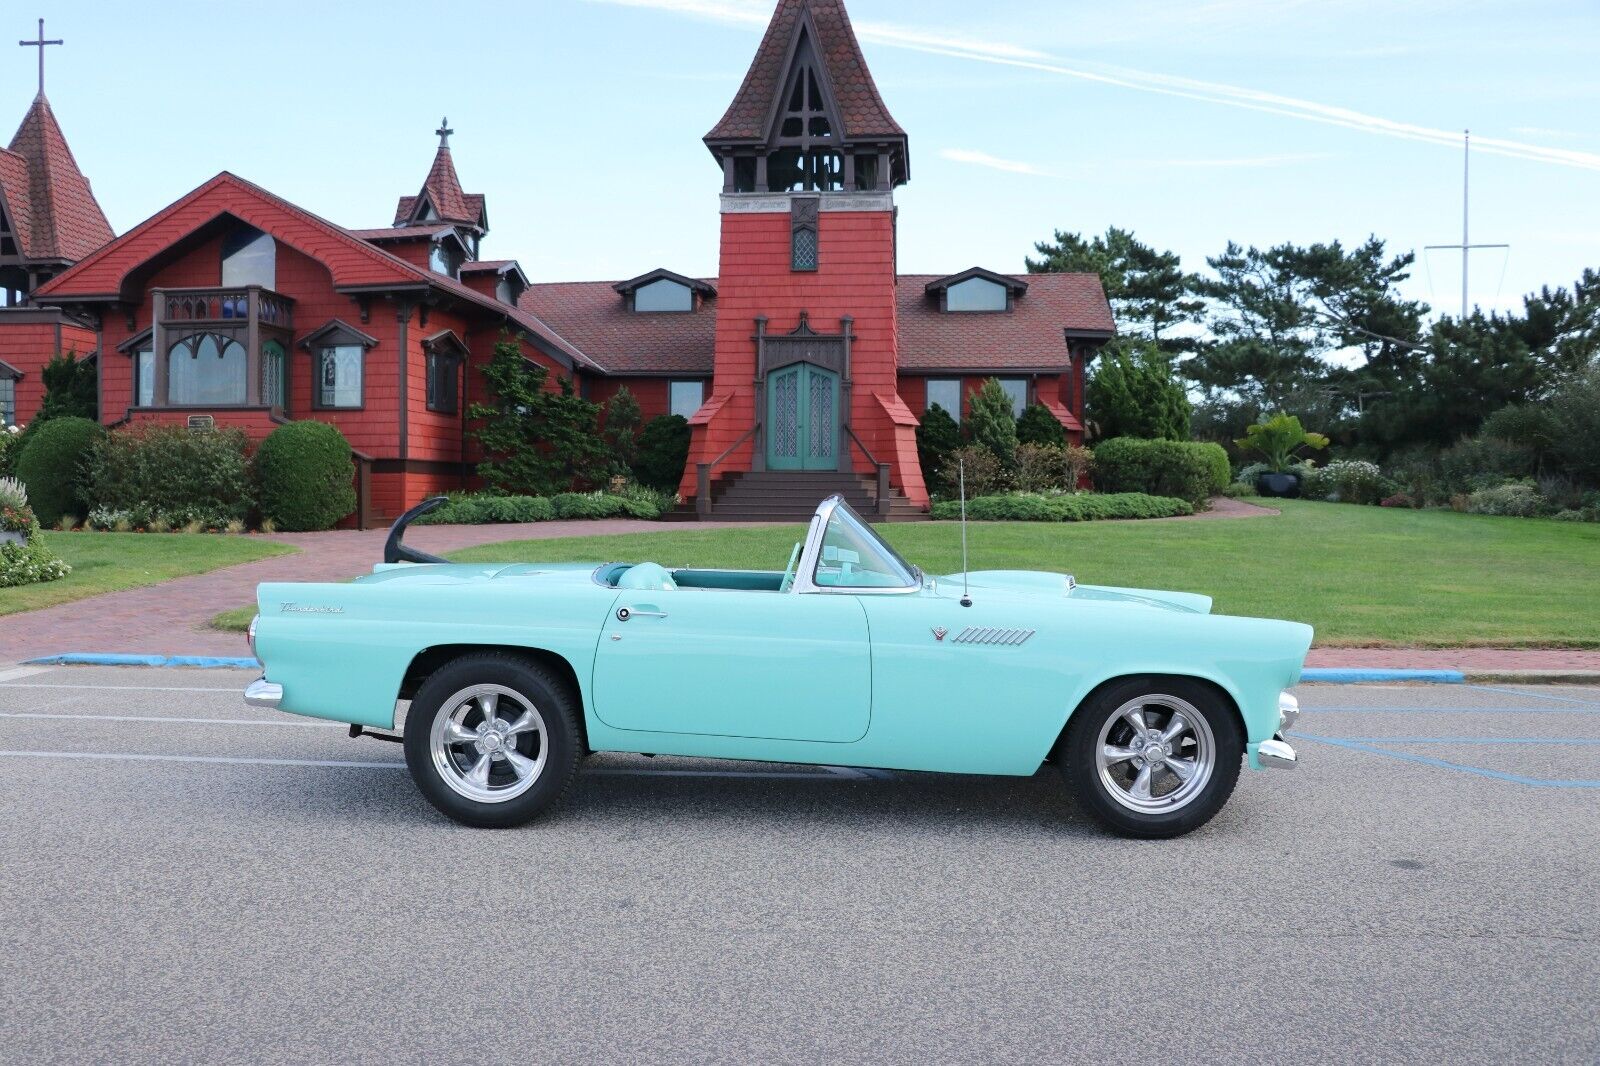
[[992, 422], [937, 437], [1134, 393], [623, 419], [1038, 426], [71, 389], [538, 442]]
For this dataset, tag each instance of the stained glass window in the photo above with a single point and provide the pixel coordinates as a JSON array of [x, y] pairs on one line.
[[339, 376]]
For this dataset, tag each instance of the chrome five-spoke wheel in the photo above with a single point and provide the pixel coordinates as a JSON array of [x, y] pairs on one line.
[[492, 739], [1153, 756], [1156, 754], [489, 743]]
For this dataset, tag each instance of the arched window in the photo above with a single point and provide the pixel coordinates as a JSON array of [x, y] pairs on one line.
[[206, 370]]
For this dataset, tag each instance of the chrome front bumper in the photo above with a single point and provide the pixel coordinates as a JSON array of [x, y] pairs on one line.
[[263, 693], [1276, 754]]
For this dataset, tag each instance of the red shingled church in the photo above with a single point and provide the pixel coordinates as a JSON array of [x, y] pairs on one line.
[[803, 367]]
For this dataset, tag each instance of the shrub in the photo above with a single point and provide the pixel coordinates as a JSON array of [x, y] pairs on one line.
[[1079, 507], [991, 422], [1188, 470], [588, 505], [15, 514], [663, 452], [306, 474], [1514, 499], [170, 469], [1134, 393], [1350, 481], [1239, 491], [622, 431], [477, 509], [1038, 426], [642, 501], [937, 436], [1399, 499], [978, 468], [29, 564], [51, 466], [10, 449], [71, 389], [1052, 468], [1482, 463]]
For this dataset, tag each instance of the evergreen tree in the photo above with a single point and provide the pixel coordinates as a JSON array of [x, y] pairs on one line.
[[663, 452], [937, 437], [992, 423], [1134, 393], [71, 389], [1150, 293], [623, 419], [1038, 426], [538, 442]]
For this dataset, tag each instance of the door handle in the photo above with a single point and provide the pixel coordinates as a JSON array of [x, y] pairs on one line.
[[625, 613]]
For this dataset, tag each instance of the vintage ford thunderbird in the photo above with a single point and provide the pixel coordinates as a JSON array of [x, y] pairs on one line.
[[851, 656]]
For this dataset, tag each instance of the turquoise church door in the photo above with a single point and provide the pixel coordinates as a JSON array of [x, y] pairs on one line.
[[803, 418]]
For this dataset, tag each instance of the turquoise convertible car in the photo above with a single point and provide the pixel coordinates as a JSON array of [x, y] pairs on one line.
[[851, 656]]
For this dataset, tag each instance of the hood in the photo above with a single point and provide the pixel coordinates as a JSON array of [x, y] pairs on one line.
[[1045, 583]]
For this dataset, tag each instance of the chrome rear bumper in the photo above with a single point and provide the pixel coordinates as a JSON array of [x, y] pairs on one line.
[[263, 693]]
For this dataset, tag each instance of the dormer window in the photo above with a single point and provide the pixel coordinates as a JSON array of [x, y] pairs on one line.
[[663, 292], [445, 258], [976, 294], [977, 291], [663, 295]]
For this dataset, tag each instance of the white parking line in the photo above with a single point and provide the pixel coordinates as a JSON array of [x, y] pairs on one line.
[[21, 672], [121, 688], [162, 718]]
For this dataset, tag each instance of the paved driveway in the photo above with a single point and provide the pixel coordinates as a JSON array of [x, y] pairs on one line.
[[183, 879]]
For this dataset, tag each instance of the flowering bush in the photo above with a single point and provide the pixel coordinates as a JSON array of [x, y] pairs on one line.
[[29, 562], [15, 514], [1351, 481], [1515, 499]]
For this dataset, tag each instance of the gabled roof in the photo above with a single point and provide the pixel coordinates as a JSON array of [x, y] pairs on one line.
[[53, 210], [1031, 336], [592, 316], [1015, 284], [861, 109], [442, 190]]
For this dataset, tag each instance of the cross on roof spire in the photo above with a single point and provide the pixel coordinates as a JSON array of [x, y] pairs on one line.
[[444, 131], [40, 45]]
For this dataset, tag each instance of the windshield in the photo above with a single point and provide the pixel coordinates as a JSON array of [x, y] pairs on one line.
[[853, 556]]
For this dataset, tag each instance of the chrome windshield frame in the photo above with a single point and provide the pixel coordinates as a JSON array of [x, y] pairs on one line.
[[805, 573]]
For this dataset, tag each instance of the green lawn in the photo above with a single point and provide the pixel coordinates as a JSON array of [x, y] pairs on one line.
[[1361, 575], [234, 621], [109, 562]]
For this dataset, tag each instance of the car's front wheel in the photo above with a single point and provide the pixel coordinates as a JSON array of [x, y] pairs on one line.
[[1153, 756], [492, 740]]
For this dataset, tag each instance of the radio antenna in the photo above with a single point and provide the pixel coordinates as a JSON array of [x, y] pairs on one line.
[[961, 474]]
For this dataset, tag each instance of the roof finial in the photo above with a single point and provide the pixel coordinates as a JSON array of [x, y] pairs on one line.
[[40, 45], [444, 131]]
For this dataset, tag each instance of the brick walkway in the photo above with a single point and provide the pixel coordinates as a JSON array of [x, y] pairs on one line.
[[170, 618]]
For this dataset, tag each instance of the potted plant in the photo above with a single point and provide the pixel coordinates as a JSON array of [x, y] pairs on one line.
[[1277, 439], [16, 517]]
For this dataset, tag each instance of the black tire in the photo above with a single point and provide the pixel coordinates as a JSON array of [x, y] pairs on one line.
[[557, 744], [1108, 801]]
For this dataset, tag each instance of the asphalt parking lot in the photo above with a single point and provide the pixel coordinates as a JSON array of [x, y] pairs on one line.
[[186, 879]]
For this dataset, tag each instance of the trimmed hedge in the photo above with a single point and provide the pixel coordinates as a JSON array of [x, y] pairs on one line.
[[634, 501], [51, 466], [306, 473], [174, 472], [1188, 470], [488, 510], [1080, 507]]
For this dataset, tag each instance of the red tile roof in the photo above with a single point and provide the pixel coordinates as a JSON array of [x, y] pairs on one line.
[[1030, 336], [53, 210], [592, 316], [419, 232], [861, 108], [443, 190]]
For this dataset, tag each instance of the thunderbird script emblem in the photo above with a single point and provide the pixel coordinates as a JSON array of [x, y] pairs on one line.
[[939, 632]]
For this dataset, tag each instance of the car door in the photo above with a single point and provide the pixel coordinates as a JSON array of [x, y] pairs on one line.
[[765, 665]]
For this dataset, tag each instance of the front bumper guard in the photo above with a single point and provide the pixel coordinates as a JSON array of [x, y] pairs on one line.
[[263, 693], [1276, 754]]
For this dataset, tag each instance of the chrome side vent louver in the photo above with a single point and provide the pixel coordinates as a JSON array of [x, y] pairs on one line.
[[981, 635]]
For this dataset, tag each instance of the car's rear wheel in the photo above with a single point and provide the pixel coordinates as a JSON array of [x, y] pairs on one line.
[[1153, 756], [492, 740]]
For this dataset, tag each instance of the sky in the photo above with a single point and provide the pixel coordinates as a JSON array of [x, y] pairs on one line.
[[1190, 122]]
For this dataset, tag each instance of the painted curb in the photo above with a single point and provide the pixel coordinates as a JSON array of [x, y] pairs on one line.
[[205, 662], [1341, 675]]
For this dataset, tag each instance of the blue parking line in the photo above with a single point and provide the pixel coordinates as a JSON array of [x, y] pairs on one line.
[[1443, 764], [1345, 675], [1535, 695]]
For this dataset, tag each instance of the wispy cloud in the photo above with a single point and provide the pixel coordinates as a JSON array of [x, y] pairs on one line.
[[757, 12], [1244, 162], [984, 159], [1545, 131]]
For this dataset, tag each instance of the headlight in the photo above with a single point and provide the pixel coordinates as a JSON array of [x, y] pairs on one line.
[[1288, 712], [250, 634]]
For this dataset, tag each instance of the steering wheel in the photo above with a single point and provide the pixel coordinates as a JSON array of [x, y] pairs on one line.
[[788, 572]]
